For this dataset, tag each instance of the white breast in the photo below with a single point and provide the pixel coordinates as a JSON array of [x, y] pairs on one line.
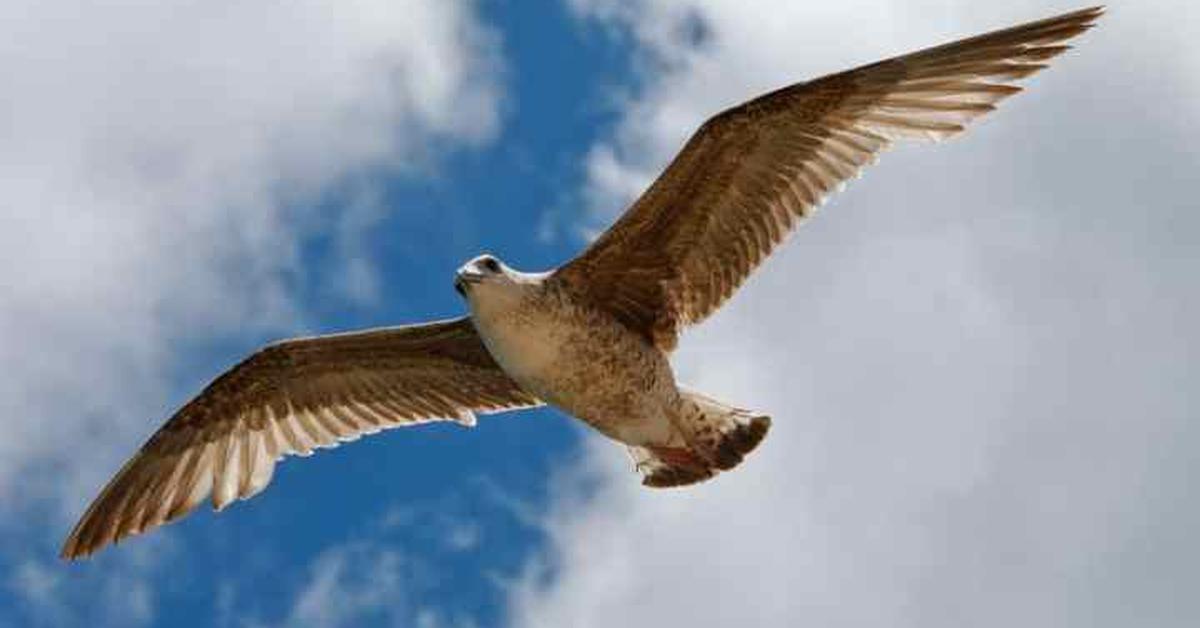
[[524, 339], [528, 348], [583, 362]]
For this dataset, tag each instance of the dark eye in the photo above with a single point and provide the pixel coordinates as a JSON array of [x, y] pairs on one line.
[[491, 264]]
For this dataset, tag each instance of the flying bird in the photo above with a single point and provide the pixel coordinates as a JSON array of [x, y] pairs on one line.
[[594, 336]]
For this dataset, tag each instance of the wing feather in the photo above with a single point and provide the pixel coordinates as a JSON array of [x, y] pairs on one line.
[[291, 398], [751, 173]]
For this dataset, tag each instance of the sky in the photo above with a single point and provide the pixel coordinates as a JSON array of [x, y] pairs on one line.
[[979, 357]]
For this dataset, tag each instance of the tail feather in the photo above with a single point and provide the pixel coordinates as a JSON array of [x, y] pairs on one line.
[[718, 437], [664, 467], [741, 440]]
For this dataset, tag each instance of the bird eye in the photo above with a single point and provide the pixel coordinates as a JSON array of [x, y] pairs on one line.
[[491, 264]]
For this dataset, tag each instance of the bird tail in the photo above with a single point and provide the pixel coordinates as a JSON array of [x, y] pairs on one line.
[[717, 436]]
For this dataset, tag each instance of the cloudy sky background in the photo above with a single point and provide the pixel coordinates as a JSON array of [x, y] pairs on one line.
[[977, 356]]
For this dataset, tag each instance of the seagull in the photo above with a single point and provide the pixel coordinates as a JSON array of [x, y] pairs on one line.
[[594, 336]]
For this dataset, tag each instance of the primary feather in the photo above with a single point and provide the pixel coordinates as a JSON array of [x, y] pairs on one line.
[[751, 173]]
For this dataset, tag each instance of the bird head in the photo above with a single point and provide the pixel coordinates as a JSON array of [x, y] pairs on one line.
[[486, 278], [484, 273]]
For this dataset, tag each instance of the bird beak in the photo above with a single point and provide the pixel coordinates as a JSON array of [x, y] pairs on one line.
[[465, 278]]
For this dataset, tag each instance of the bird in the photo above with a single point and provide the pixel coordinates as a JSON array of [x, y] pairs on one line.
[[594, 336]]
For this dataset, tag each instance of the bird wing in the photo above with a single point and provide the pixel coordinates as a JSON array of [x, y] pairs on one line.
[[290, 398], [751, 173]]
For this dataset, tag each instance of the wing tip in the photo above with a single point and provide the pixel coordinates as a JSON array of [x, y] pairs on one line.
[[70, 552], [1084, 18], [80, 544]]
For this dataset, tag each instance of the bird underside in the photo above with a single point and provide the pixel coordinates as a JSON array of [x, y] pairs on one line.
[[591, 337], [715, 437]]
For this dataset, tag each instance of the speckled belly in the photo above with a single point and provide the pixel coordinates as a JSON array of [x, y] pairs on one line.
[[592, 367]]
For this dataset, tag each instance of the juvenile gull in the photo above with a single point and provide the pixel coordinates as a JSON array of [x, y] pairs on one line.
[[594, 336]]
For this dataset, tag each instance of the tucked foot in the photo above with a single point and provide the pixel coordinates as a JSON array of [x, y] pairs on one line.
[[718, 438], [663, 467]]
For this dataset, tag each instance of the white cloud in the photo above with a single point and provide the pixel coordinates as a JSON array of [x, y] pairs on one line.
[[387, 572], [121, 595], [366, 583], [161, 165], [158, 166], [348, 584], [978, 357]]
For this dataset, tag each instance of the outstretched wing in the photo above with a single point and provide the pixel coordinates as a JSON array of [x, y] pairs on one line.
[[291, 398], [749, 174]]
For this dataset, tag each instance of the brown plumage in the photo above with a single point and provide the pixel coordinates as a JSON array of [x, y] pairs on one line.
[[749, 174], [592, 337], [291, 398]]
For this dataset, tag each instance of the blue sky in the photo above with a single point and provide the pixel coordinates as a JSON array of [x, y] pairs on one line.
[[979, 357], [452, 503]]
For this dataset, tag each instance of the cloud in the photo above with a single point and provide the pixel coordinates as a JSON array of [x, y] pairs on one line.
[[123, 595], [389, 570], [356, 583], [348, 584], [368, 582], [978, 357], [161, 167]]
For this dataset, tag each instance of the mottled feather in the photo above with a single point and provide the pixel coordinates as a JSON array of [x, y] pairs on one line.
[[593, 336], [291, 398], [751, 173]]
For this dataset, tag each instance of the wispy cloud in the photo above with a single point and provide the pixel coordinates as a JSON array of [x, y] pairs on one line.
[[347, 585], [366, 581], [389, 570], [43, 594], [976, 357]]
